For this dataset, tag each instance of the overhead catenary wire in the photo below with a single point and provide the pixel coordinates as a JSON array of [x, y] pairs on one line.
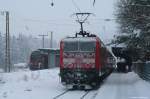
[[74, 3], [49, 22], [93, 2]]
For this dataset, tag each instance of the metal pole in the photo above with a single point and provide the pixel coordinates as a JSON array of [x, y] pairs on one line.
[[81, 23], [43, 41], [9, 63], [7, 45], [7, 53], [51, 42], [43, 37]]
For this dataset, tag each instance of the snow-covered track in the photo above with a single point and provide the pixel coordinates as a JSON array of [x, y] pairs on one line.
[[88, 93], [83, 96], [92, 94], [56, 97]]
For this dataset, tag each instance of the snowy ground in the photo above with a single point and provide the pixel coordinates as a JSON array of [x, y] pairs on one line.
[[45, 84]]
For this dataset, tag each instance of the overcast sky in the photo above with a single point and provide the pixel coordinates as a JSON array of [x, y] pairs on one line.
[[34, 17]]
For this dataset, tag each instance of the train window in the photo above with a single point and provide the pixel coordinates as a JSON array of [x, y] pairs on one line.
[[87, 46], [70, 46], [35, 57]]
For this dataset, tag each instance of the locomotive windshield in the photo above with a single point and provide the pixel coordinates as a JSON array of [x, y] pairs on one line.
[[70, 46], [87, 46], [79, 46]]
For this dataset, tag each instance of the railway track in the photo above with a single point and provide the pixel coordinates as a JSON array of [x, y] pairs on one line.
[[91, 93], [59, 95], [87, 92]]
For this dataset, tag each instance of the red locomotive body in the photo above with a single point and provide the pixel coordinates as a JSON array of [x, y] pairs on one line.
[[84, 61]]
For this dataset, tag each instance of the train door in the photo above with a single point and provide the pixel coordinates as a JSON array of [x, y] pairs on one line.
[[45, 61]]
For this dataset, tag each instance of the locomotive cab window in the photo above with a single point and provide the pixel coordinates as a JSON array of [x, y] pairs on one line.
[[87, 46], [70, 46]]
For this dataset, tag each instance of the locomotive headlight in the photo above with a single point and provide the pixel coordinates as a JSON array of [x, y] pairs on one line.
[[79, 74], [85, 76], [93, 66]]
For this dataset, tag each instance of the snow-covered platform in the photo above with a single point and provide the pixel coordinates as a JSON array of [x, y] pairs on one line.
[[124, 86], [45, 84]]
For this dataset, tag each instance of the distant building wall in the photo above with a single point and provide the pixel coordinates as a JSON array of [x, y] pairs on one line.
[[53, 59]]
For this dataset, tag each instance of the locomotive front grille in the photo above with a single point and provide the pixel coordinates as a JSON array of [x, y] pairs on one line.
[[78, 76]]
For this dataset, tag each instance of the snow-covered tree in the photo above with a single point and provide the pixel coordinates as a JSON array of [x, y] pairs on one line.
[[21, 48], [2, 53], [133, 17]]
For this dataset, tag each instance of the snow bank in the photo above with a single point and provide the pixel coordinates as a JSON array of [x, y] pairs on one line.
[[21, 65], [45, 84], [30, 85], [124, 86]]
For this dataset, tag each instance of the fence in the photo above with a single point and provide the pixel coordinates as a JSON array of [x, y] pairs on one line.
[[142, 69]]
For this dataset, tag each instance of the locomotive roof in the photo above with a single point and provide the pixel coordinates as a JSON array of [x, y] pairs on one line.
[[82, 39], [48, 49]]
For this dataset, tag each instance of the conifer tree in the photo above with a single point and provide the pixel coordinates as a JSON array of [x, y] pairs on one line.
[[133, 17]]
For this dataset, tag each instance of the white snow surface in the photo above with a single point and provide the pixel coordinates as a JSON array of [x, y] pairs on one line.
[[45, 84], [21, 65]]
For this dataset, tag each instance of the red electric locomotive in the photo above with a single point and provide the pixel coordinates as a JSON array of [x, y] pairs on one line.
[[84, 61]]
